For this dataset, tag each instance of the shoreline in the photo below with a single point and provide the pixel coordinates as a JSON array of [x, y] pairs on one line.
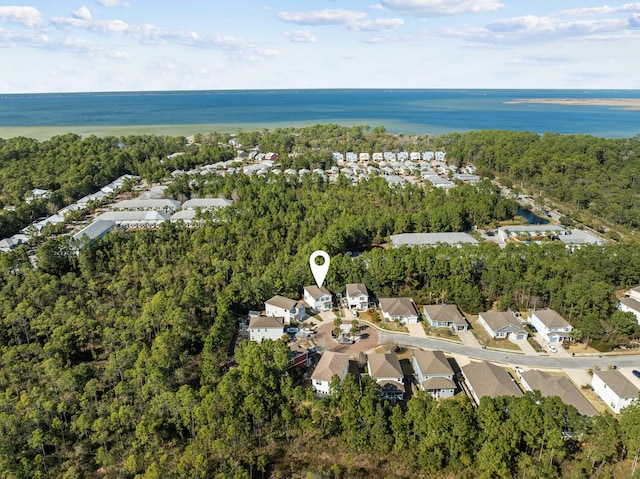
[[619, 103]]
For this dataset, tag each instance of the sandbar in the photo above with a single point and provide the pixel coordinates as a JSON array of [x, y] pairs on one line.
[[618, 103]]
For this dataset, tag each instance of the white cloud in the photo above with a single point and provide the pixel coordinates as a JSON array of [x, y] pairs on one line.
[[322, 17], [112, 3], [300, 36], [604, 10], [377, 25], [82, 13], [27, 16], [441, 7]]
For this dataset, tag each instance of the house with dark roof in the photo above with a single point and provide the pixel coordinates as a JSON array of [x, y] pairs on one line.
[[552, 327], [386, 370], [357, 296], [399, 309], [614, 389], [331, 364], [487, 379], [289, 309], [445, 316], [434, 373], [561, 386], [502, 325], [266, 327]]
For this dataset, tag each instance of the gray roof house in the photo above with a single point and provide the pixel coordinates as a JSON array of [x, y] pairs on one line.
[[615, 390], [266, 327], [486, 379], [399, 309], [357, 296], [560, 386], [289, 309], [445, 316], [551, 326], [502, 325], [432, 239], [434, 373]]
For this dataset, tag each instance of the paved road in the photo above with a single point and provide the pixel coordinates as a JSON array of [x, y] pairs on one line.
[[550, 361]]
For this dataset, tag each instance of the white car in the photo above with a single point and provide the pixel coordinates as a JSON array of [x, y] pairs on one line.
[[552, 349], [519, 371]]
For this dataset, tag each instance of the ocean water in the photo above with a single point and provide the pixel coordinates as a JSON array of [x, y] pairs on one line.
[[399, 111]]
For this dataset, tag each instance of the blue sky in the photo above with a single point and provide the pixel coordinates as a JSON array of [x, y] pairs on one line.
[[116, 45]]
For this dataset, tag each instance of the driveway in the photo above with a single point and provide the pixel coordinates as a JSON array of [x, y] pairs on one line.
[[468, 339], [526, 347], [416, 330], [369, 339]]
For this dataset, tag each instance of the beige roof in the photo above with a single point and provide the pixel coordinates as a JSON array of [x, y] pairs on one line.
[[433, 362], [487, 379], [384, 365], [330, 363], [438, 383], [448, 313], [560, 386], [618, 383], [398, 306], [282, 302], [550, 318], [356, 289], [266, 322], [500, 319], [316, 292]]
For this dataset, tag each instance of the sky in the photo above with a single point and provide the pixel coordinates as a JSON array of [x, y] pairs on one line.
[[144, 45]]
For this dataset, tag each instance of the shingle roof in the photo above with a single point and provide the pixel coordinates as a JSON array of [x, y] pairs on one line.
[[618, 383], [330, 363], [316, 292], [431, 239], [560, 386], [500, 319], [448, 313], [631, 303], [384, 365], [398, 306], [487, 379], [432, 362], [356, 289], [550, 318], [282, 302], [266, 322], [438, 383]]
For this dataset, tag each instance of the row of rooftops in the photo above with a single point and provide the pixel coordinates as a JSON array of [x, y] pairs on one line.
[[389, 156]]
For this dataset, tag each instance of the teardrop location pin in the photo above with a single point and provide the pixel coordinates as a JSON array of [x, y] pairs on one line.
[[319, 270]]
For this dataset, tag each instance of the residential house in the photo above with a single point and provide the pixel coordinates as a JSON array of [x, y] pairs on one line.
[[630, 305], [289, 309], [318, 299], [431, 239], [438, 181], [37, 194], [399, 309], [93, 231], [386, 370], [502, 325], [266, 327], [378, 157], [364, 157], [560, 386], [445, 316], [415, 156], [331, 364], [357, 296], [434, 373], [7, 244], [552, 327], [146, 205], [135, 219], [614, 389], [487, 379]]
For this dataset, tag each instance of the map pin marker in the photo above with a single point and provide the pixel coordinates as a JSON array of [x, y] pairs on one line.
[[319, 270]]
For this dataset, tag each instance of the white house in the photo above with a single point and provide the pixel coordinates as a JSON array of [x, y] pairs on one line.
[[318, 299], [552, 327], [399, 309], [486, 379], [266, 327], [502, 325], [434, 373], [146, 205], [331, 364], [37, 194], [386, 370], [631, 302], [445, 316], [357, 296], [289, 309], [614, 389]]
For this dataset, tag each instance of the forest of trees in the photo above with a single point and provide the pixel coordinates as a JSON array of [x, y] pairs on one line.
[[114, 362]]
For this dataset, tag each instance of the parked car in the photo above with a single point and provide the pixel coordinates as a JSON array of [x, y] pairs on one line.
[[636, 373], [519, 370], [552, 349]]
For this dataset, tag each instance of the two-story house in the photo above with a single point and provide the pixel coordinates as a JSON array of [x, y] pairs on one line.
[[331, 364], [552, 327], [318, 299], [266, 327], [386, 370], [357, 296], [289, 309], [434, 373]]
